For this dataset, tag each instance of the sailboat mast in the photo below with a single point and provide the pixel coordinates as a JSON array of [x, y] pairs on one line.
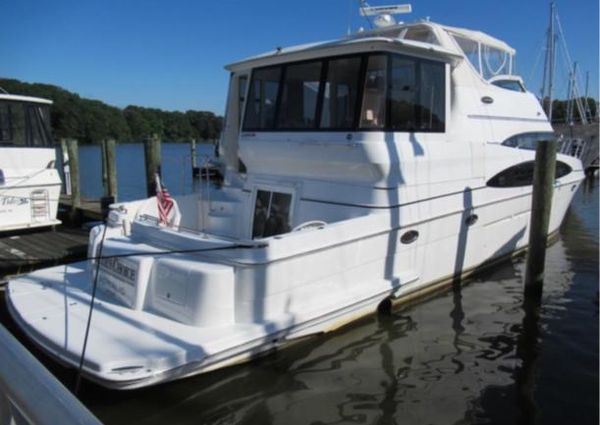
[[551, 59]]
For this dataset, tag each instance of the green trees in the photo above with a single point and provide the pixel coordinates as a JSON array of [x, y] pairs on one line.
[[559, 109], [91, 121]]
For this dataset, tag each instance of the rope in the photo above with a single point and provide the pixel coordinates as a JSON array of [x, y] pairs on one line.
[[89, 320], [147, 253]]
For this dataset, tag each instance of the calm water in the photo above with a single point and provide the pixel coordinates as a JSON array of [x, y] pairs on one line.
[[131, 175], [463, 357]]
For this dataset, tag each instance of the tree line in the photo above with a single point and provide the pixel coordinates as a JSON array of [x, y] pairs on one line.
[[560, 108], [91, 121]]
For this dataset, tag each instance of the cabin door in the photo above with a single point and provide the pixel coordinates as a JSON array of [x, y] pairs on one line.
[[272, 211]]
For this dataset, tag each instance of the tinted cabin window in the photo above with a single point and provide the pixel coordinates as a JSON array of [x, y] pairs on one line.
[[528, 140], [423, 34], [242, 85], [5, 127], [271, 214], [509, 85], [374, 93], [340, 93], [299, 98], [417, 95], [404, 94], [522, 175], [431, 106], [23, 124], [260, 109]]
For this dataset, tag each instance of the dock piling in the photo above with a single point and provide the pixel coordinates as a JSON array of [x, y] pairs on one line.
[[65, 166], [110, 156], [541, 204], [109, 174], [73, 152], [152, 156]]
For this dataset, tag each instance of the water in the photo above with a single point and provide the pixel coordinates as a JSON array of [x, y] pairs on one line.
[[464, 357], [176, 163]]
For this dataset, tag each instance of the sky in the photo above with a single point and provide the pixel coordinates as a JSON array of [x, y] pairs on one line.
[[170, 54]]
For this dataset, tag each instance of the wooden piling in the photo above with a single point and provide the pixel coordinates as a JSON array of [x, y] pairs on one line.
[[541, 204], [152, 156], [109, 157], [65, 166], [73, 152], [104, 167], [195, 169]]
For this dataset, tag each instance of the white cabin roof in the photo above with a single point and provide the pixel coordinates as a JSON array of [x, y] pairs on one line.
[[19, 98], [392, 34], [324, 48]]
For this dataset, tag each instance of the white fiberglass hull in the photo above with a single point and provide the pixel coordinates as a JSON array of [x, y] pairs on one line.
[[143, 339], [30, 188]]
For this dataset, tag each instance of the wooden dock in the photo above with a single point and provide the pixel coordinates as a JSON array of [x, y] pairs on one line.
[[43, 248], [89, 209]]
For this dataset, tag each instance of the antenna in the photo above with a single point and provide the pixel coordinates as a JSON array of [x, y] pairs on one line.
[[383, 14]]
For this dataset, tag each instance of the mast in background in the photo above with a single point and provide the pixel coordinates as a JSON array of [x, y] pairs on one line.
[[549, 63]]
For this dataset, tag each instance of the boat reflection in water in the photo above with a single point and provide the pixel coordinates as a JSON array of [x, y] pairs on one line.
[[465, 356]]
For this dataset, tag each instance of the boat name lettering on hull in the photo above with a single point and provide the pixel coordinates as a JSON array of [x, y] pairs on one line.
[[118, 269], [13, 201]]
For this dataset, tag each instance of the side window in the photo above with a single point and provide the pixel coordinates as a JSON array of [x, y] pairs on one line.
[[18, 124], [522, 175], [422, 34], [340, 93], [5, 125], [528, 140], [403, 94], [271, 214], [471, 50], [417, 95], [298, 107], [260, 108], [36, 132], [509, 85], [393, 92], [242, 85], [431, 108], [374, 93]]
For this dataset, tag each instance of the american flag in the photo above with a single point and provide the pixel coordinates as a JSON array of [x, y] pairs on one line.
[[164, 201]]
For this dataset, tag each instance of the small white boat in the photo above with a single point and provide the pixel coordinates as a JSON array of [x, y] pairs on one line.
[[370, 168], [29, 182]]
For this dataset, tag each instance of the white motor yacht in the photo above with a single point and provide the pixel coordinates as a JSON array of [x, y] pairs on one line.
[[376, 167], [29, 182]]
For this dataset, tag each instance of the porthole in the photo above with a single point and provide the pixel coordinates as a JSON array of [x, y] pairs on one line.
[[409, 237], [471, 219]]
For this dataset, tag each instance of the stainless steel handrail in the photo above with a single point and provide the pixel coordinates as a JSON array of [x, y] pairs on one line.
[[30, 394]]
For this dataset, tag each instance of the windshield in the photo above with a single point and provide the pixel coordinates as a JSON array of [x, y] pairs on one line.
[[494, 62], [24, 124], [489, 61], [421, 33]]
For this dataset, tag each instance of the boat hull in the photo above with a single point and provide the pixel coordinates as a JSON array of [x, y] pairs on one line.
[[30, 188], [257, 303]]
